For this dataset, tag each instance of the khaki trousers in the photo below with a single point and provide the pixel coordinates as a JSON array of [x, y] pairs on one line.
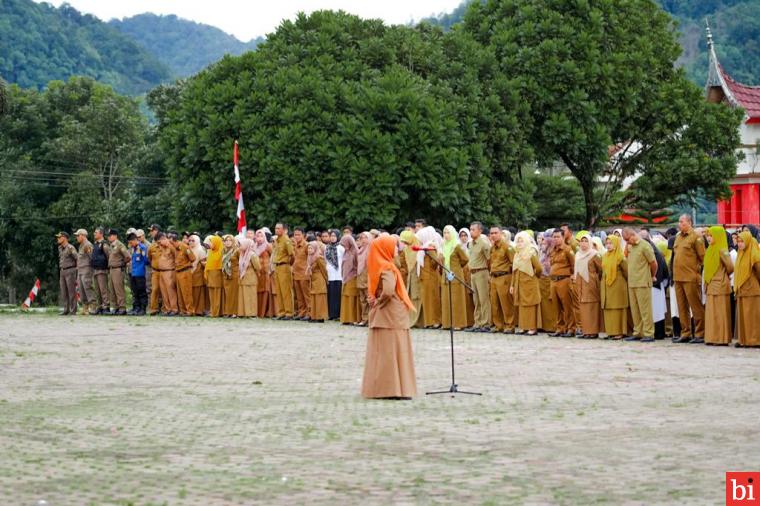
[[67, 280], [640, 300], [562, 292], [480, 297], [155, 293], [284, 279], [303, 296], [101, 288], [185, 292], [689, 300], [167, 283], [502, 306], [116, 290], [86, 291], [576, 300]]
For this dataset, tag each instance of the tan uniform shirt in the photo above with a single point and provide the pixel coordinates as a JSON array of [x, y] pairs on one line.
[[166, 258], [118, 256], [184, 257], [562, 261], [640, 257], [154, 251], [689, 251], [84, 256], [283, 250], [501, 257], [67, 256], [480, 251], [301, 254]]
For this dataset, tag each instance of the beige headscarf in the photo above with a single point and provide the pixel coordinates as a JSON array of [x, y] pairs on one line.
[[526, 248], [198, 250], [583, 258]]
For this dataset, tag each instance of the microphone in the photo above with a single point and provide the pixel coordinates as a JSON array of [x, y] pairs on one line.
[[420, 248]]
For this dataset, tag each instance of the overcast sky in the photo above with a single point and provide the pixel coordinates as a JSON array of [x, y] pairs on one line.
[[247, 19]]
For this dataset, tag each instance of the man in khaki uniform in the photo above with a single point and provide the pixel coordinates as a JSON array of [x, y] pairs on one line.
[[283, 258], [167, 279], [84, 273], [67, 274], [562, 261], [101, 250], [154, 251], [642, 271], [480, 252], [301, 280], [502, 305], [688, 257], [117, 262], [183, 263]]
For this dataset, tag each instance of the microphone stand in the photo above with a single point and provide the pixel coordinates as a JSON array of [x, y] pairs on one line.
[[454, 388]]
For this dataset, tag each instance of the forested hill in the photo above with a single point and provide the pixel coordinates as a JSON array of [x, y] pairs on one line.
[[185, 46], [735, 26], [40, 43]]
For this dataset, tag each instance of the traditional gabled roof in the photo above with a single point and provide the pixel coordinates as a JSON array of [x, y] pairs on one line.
[[720, 86]]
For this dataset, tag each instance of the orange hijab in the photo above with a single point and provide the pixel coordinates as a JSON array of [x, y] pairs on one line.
[[380, 259]]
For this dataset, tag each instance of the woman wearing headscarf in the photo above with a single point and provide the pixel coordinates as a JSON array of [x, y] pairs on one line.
[[614, 297], [747, 289], [264, 298], [316, 268], [409, 240], [200, 296], [334, 258], [389, 363], [464, 240], [717, 280], [350, 311], [549, 306], [428, 272], [213, 274], [248, 279], [455, 259], [526, 269], [588, 270], [365, 238], [231, 274]]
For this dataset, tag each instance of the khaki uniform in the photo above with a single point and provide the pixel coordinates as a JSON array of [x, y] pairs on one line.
[[318, 305], [502, 305], [84, 277], [154, 251], [167, 280], [640, 257], [67, 278], [301, 280], [183, 265], [480, 251], [101, 277], [118, 258], [689, 253], [562, 266], [282, 257]]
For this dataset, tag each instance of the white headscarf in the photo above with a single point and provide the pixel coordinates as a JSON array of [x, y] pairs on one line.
[[428, 238], [198, 250], [525, 253]]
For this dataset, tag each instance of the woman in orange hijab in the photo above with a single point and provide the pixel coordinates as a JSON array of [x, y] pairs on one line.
[[389, 364]]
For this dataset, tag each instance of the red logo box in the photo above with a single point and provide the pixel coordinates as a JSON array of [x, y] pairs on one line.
[[742, 489]]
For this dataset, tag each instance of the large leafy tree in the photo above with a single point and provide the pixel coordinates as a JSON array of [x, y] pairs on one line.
[[347, 120], [598, 74]]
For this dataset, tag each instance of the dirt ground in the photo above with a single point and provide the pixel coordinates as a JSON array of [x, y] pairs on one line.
[[108, 410]]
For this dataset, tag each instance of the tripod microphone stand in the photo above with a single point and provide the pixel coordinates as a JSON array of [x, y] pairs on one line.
[[450, 276]]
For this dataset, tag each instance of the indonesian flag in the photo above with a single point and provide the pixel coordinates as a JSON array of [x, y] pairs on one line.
[[241, 226]]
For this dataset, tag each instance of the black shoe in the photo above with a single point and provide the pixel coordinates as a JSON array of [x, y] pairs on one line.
[[632, 338], [738, 345], [287, 318], [578, 332], [471, 329], [519, 332], [555, 334], [121, 312], [681, 340], [509, 331], [114, 312], [567, 334], [140, 312], [697, 340], [647, 339], [132, 312]]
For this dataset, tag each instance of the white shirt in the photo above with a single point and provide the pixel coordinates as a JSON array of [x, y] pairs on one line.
[[333, 273]]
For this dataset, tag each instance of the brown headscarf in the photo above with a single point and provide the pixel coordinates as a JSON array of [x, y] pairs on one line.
[[349, 267], [246, 253], [363, 253]]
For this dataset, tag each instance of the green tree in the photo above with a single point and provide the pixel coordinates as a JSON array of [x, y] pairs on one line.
[[599, 74], [346, 120]]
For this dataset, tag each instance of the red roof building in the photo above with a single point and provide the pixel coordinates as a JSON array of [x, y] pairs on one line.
[[744, 205]]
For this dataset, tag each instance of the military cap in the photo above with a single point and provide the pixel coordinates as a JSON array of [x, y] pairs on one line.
[[81, 231], [62, 234], [131, 230], [155, 227], [113, 231]]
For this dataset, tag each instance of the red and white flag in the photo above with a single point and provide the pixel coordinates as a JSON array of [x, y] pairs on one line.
[[241, 225]]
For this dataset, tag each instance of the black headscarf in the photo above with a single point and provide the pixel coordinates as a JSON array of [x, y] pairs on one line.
[[331, 252]]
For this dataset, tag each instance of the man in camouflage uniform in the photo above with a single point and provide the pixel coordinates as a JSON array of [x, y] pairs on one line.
[[67, 277], [84, 273]]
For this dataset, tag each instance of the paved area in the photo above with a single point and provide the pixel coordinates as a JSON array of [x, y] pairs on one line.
[[102, 410]]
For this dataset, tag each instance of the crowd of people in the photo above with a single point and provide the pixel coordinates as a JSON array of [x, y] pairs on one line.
[[694, 285]]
